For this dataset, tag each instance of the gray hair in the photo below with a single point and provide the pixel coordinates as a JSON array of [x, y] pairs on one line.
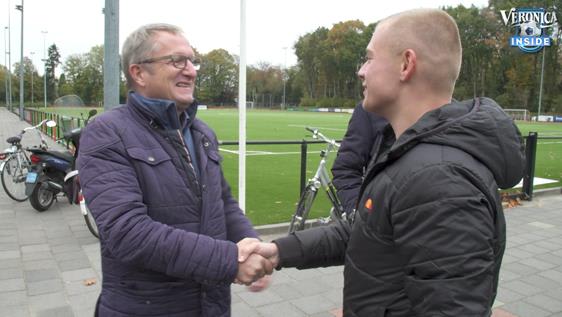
[[139, 45]]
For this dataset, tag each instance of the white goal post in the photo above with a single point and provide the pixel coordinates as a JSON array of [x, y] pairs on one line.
[[518, 114]]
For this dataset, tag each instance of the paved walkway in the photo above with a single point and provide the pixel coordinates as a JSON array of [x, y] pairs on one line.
[[46, 259]]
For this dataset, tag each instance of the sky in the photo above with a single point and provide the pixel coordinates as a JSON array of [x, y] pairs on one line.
[[273, 27]]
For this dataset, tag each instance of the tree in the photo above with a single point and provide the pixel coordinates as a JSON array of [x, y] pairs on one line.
[[218, 78], [84, 74], [53, 60]]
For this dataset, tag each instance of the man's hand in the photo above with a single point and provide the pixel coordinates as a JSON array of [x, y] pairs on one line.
[[249, 246], [252, 269], [260, 284]]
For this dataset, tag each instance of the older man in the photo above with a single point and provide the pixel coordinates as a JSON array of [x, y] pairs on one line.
[[151, 175], [429, 233]]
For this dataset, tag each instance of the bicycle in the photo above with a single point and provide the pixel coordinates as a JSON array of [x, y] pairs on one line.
[[320, 179], [16, 163]]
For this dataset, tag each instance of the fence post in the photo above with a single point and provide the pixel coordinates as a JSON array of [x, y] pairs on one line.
[[530, 160], [304, 150]]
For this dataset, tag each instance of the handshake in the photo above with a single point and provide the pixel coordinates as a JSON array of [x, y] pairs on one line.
[[256, 259]]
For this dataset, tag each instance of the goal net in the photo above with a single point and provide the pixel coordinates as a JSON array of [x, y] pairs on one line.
[[518, 114]]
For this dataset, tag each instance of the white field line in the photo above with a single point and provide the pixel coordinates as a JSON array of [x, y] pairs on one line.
[[257, 153], [548, 142], [321, 128]]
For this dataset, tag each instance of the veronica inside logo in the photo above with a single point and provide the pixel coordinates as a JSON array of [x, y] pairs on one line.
[[535, 28]]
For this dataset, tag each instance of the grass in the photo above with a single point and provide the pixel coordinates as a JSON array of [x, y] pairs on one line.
[[272, 181]]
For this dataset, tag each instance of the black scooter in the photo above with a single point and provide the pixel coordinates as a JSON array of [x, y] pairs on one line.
[[53, 172]]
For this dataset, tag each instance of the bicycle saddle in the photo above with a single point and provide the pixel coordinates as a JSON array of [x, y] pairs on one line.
[[14, 140]]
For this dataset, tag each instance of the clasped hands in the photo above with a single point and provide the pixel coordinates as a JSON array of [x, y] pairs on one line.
[[256, 259]]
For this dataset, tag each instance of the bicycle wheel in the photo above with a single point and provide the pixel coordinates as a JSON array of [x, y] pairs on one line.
[[303, 208], [13, 178], [91, 223]]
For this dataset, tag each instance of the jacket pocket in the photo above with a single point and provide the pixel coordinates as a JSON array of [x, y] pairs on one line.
[[149, 156], [214, 156]]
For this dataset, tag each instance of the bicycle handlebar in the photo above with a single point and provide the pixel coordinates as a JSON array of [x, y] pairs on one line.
[[316, 134]]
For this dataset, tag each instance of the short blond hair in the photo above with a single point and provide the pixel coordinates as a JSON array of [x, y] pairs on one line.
[[434, 36]]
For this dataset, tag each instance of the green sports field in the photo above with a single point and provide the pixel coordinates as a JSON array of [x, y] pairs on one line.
[[273, 171]]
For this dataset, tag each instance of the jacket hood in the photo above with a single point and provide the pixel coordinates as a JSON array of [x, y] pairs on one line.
[[477, 126]]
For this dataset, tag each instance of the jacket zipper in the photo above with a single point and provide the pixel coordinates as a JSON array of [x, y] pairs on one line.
[[189, 161]]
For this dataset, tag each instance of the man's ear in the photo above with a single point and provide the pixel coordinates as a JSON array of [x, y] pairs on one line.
[[408, 66], [137, 74]]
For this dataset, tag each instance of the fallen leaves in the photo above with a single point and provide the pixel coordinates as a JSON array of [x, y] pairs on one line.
[[90, 282]]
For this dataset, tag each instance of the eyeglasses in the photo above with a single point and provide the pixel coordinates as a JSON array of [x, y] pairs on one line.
[[178, 61]]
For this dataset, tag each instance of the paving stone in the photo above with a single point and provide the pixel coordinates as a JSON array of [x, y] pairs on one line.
[[521, 269], [310, 286], [75, 264], [261, 298], [63, 311], [39, 264], [541, 282], [6, 274], [35, 248], [44, 287], [524, 309], [552, 275], [77, 275], [13, 298], [73, 246], [15, 284], [506, 275], [286, 291], [85, 301], [506, 295], [16, 311], [78, 287], [540, 265], [47, 301], [42, 255], [545, 302], [9, 246], [522, 287], [6, 255], [242, 309], [10, 263], [555, 293], [41, 275], [280, 310], [313, 304]]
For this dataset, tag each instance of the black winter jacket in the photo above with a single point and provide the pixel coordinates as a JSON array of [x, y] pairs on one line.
[[355, 153], [429, 233]]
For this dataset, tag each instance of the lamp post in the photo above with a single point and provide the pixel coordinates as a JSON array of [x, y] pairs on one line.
[[284, 77], [10, 60], [32, 53], [20, 8], [44, 69], [6, 63]]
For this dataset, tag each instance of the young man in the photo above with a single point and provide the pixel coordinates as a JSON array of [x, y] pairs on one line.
[[151, 175], [429, 234]]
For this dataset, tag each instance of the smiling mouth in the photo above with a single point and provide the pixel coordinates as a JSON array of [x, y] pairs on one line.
[[183, 85]]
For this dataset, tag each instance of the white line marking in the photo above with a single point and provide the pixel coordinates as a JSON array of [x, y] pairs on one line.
[[320, 128], [262, 153]]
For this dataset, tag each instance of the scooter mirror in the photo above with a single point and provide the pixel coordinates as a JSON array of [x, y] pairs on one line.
[[92, 112], [51, 123]]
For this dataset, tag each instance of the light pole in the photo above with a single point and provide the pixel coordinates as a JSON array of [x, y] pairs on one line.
[[20, 8], [6, 63], [284, 77], [32, 53], [10, 60], [44, 69]]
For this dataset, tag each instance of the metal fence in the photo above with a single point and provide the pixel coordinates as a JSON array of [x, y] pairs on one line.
[[65, 123]]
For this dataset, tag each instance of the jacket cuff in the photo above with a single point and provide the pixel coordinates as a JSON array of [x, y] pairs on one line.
[[290, 251]]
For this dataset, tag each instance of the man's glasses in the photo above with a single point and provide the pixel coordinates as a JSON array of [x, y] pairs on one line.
[[178, 61]]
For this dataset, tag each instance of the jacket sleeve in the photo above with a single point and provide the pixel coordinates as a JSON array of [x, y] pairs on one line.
[[115, 199], [238, 226], [444, 228], [354, 155], [315, 247]]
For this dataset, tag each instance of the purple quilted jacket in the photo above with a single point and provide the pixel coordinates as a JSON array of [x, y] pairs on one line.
[[167, 232]]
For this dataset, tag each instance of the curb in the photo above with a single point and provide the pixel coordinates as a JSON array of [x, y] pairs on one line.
[[282, 228], [547, 192]]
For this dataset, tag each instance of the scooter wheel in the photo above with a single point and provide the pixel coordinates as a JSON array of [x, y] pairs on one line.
[[41, 198]]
